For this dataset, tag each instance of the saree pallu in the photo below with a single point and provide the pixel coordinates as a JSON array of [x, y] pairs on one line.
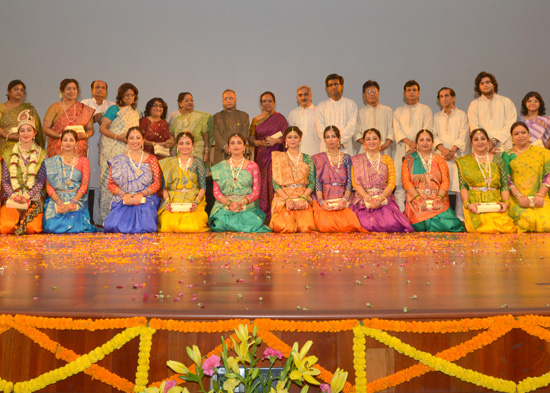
[[471, 179], [262, 156], [428, 185], [131, 218], [126, 118], [157, 132], [8, 120], [69, 222], [223, 220], [386, 218], [294, 181], [333, 182], [81, 115], [183, 187], [528, 172]]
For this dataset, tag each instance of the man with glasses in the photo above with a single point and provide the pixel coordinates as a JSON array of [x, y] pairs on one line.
[[375, 115], [337, 111]]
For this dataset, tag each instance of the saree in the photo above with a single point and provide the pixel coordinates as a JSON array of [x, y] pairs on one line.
[[197, 123], [428, 185], [528, 172], [76, 115], [133, 218], [246, 184], [386, 218], [471, 179], [122, 119], [65, 181], [333, 182], [183, 187], [157, 132], [15, 221], [294, 180], [8, 120], [260, 130]]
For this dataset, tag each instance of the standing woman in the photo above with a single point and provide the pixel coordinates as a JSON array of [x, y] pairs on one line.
[[426, 180], [529, 180], [263, 127], [333, 187], [69, 112], [67, 178], [373, 177], [116, 122], [483, 178], [157, 131], [533, 114], [236, 189], [293, 182], [9, 112], [197, 123], [184, 182], [134, 179], [23, 177]]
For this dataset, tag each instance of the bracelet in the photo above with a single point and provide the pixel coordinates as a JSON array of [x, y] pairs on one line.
[[73, 202], [167, 200], [540, 195], [228, 203], [196, 203], [59, 202], [122, 193], [321, 201], [440, 196], [466, 204], [345, 198], [116, 137], [417, 196], [303, 197]]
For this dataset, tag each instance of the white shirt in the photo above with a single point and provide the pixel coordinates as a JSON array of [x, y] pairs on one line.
[[343, 115], [452, 130], [495, 116], [379, 117], [91, 102], [407, 121], [305, 119]]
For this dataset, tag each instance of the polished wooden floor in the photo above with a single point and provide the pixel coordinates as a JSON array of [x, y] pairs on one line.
[[310, 276]]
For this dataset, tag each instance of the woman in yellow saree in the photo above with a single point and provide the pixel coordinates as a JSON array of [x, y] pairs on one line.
[[529, 180], [483, 179]]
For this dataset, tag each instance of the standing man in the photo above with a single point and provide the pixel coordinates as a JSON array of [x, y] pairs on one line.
[[100, 104], [305, 117], [375, 115], [407, 121], [451, 137], [229, 121], [492, 112], [337, 111]]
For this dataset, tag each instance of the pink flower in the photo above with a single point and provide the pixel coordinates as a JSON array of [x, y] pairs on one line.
[[169, 385], [325, 388], [210, 363], [270, 352]]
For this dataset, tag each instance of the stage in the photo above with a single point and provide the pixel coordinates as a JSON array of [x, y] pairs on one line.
[[350, 280]]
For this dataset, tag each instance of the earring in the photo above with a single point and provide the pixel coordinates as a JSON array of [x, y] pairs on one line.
[[286, 145], [60, 96]]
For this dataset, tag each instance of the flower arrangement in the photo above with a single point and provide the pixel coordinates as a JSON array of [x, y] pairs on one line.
[[238, 366]]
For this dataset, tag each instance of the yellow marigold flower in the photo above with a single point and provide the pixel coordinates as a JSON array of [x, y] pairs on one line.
[[338, 381], [177, 367]]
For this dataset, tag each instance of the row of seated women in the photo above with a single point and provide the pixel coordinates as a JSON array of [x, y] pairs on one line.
[[329, 192]]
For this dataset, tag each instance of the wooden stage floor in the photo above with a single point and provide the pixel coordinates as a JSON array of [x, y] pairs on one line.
[[302, 276]]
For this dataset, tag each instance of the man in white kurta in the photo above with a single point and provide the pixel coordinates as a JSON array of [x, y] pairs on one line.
[[451, 139], [375, 115], [337, 111], [407, 121], [492, 112], [100, 104], [305, 117]]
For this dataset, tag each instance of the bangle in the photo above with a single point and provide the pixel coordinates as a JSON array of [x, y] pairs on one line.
[[73, 202], [440, 196], [466, 204], [303, 197], [167, 200], [321, 201], [417, 196], [345, 198], [540, 195], [122, 193], [228, 203], [196, 203], [59, 202]]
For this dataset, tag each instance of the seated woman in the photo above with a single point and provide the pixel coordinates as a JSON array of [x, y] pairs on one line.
[[134, 179], [293, 183], [67, 178], [529, 180], [184, 182], [483, 179], [426, 179], [373, 176], [23, 177], [236, 189], [333, 187]]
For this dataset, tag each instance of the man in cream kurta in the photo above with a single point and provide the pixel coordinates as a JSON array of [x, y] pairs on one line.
[[337, 111], [375, 115], [451, 138], [407, 121], [492, 112], [305, 117]]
